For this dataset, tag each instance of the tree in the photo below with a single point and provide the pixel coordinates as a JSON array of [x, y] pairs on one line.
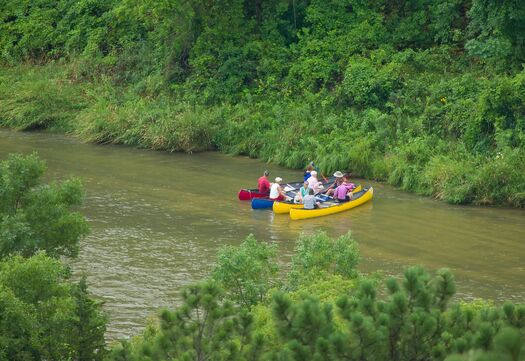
[[497, 29], [247, 272], [44, 316], [89, 324], [319, 255], [204, 327], [407, 318], [37, 216]]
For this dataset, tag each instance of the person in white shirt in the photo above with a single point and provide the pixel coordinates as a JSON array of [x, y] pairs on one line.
[[276, 191], [313, 182]]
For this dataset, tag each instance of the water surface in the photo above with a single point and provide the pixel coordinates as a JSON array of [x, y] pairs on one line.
[[158, 220]]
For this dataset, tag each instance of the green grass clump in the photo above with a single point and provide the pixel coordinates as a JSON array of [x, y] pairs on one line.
[[39, 97]]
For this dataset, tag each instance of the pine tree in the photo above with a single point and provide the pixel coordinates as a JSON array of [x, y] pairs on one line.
[[89, 325]]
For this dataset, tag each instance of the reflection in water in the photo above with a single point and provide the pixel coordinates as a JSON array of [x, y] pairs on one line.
[[158, 220]]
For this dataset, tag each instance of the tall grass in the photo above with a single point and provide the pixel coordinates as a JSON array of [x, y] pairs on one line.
[[39, 97], [403, 150]]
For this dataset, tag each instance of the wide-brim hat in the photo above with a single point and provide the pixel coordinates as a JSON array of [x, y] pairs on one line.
[[338, 174], [314, 173], [278, 180]]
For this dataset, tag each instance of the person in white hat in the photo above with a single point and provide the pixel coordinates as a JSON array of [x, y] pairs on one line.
[[276, 191], [338, 181]]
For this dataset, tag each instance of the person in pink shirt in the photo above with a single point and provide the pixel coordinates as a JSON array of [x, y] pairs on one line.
[[263, 184], [343, 193]]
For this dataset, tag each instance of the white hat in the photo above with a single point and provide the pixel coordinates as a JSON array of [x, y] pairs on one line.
[[278, 180], [338, 174], [314, 173]]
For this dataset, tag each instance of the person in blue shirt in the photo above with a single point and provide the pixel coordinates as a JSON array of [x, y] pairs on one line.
[[309, 168]]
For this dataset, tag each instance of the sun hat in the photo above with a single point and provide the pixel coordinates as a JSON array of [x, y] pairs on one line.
[[338, 174], [314, 173], [278, 180]]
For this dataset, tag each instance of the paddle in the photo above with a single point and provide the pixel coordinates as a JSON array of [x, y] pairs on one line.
[[317, 195], [317, 170]]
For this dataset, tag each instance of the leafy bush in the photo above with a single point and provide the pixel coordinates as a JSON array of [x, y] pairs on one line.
[[44, 315], [319, 255], [36, 216], [247, 272]]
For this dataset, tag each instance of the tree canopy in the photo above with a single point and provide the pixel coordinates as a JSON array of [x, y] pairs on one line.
[[35, 216]]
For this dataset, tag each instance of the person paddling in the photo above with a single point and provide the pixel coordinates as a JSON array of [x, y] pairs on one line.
[[343, 193], [276, 191], [308, 171], [263, 184]]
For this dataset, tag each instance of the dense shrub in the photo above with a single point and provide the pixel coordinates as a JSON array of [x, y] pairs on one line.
[[43, 315], [35, 216], [247, 272]]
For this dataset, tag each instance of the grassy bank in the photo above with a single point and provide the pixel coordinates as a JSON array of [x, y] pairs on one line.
[[416, 152]]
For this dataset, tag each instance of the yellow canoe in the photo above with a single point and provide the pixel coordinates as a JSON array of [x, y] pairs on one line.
[[284, 207], [328, 208]]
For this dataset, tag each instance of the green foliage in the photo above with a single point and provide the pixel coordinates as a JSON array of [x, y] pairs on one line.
[[412, 322], [38, 98], [318, 255], [44, 315], [247, 272], [89, 324], [37, 216], [205, 327], [497, 28], [157, 124]]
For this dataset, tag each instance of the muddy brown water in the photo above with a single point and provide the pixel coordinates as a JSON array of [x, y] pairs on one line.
[[158, 220]]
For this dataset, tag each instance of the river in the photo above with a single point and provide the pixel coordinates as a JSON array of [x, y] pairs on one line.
[[158, 220]]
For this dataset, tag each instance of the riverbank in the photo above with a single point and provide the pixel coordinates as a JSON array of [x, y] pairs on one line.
[[387, 146]]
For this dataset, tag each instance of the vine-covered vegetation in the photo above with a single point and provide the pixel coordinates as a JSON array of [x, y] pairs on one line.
[[426, 95]]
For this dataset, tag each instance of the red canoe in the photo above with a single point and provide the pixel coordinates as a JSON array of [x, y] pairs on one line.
[[247, 194]]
